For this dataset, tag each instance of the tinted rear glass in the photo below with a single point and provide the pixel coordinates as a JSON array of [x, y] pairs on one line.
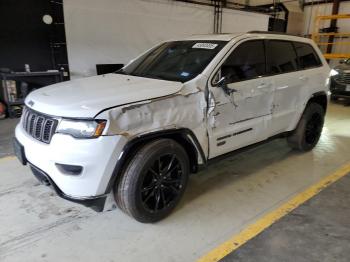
[[307, 55], [281, 57]]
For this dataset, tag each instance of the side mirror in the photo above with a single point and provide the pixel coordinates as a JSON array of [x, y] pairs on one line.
[[223, 84]]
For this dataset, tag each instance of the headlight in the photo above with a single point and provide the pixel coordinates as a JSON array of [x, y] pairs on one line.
[[334, 72], [81, 128]]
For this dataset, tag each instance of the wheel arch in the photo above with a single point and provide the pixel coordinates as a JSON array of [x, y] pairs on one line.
[[184, 136], [319, 98]]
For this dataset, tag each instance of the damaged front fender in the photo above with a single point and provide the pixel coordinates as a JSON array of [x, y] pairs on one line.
[[183, 110]]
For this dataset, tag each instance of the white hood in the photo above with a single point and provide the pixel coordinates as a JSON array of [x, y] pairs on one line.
[[86, 97]]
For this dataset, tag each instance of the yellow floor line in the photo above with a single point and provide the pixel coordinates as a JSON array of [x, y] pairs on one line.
[[254, 229], [6, 158]]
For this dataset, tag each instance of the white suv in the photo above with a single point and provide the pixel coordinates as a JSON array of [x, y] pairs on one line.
[[132, 138]]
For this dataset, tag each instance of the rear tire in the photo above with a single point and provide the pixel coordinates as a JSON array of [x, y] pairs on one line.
[[153, 181], [309, 129]]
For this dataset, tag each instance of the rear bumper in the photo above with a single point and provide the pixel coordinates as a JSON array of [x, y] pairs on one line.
[[97, 203]]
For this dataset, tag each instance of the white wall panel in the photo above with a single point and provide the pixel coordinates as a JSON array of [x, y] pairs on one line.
[[234, 21], [115, 31]]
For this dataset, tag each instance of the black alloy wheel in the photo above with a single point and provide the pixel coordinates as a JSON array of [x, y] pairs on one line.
[[309, 128], [162, 183], [154, 181]]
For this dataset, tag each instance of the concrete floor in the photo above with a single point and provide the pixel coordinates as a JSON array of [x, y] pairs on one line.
[[319, 230], [219, 202], [7, 127]]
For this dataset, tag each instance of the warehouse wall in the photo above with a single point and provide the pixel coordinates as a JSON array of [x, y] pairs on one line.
[[238, 21], [310, 12], [109, 31]]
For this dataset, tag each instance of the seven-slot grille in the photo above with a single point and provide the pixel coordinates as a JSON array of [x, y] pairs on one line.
[[343, 78], [39, 126]]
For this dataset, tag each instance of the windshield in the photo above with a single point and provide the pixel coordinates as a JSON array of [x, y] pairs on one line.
[[175, 61]]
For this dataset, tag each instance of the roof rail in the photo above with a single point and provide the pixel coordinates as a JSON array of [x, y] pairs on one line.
[[270, 33]]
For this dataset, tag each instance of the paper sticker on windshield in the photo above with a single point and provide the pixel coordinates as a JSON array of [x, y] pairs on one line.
[[205, 45]]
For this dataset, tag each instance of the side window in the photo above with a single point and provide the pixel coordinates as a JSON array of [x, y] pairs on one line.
[[247, 61], [281, 57], [307, 55]]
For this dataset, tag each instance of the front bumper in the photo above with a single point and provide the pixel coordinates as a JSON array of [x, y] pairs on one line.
[[97, 203], [98, 157], [339, 90]]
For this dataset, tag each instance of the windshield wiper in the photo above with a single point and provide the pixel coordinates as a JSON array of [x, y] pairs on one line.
[[121, 72], [155, 77]]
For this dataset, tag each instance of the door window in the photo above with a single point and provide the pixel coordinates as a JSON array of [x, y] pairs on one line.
[[247, 61], [307, 55], [281, 57]]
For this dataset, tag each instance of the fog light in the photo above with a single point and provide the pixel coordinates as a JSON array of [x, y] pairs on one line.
[[69, 169]]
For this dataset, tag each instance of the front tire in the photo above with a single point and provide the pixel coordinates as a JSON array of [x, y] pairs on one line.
[[153, 181], [309, 129]]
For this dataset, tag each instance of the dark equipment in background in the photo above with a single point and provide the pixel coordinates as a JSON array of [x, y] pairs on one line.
[[32, 32], [2, 111], [32, 49], [102, 69], [277, 25], [15, 86], [278, 13]]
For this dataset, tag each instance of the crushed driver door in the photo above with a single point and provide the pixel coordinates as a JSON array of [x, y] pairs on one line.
[[240, 109]]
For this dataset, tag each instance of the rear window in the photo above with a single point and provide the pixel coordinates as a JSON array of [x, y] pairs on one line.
[[281, 57], [307, 55]]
